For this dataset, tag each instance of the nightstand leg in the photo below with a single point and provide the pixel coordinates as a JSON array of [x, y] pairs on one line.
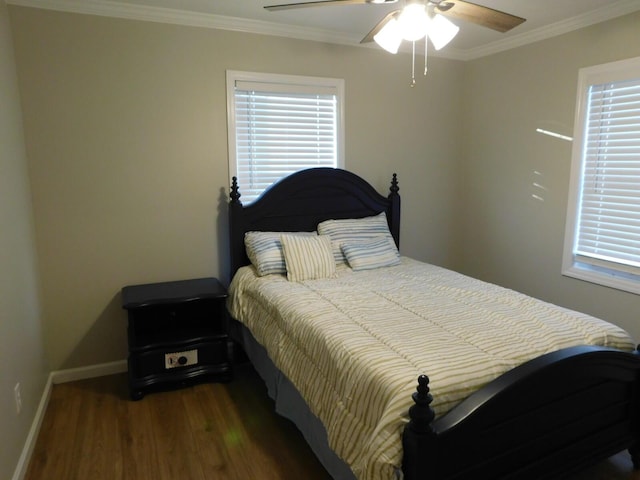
[[136, 395]]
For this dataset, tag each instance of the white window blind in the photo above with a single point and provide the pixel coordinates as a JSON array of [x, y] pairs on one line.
[[281, 126], [609, 223], [603, 221]]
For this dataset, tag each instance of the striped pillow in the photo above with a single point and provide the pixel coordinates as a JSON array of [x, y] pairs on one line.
[[354, 230], [264, 249], [376, 253], [308, 258]]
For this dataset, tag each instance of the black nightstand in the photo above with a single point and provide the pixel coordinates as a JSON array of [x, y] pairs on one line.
[[177, 334]]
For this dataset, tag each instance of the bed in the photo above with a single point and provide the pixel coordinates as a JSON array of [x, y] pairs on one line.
[[546, 417]]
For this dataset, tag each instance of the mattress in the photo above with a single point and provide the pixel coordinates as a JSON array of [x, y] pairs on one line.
[[354, 345]]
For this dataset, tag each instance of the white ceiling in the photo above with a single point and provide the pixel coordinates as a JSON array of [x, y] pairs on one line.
[[348, 24]]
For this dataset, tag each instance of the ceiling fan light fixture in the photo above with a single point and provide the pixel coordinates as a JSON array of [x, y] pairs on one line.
[[413, 22], [441, 31], [390, 36]]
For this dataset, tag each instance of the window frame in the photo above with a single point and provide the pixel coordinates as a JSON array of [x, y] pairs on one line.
[[574, 265], [282, 82]]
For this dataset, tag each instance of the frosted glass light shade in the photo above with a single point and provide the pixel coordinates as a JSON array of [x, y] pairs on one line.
[[413, 22], [390, 36], [441, 31]]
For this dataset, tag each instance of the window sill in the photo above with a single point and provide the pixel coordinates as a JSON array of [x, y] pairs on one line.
[[603, 276]]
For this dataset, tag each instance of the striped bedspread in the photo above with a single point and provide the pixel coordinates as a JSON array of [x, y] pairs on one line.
[[354, 345]]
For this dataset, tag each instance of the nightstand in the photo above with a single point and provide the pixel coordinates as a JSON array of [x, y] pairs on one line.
[[177, 334]]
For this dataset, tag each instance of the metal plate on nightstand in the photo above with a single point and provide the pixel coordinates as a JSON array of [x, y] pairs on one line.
[[180, 359]]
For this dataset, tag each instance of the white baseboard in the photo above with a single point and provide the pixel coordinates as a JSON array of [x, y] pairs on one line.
[[92, 371], [56, 377], [32, 437]]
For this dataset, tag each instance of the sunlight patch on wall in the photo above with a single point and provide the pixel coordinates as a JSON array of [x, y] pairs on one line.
[[538, 187], [554, 134]]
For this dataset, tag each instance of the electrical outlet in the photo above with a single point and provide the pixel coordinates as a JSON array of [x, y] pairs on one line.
[[17, 394]]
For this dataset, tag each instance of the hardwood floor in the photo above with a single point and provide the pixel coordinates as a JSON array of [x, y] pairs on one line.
[[91, 430]]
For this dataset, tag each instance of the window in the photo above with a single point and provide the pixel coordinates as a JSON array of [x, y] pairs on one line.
[[602, 242], [280, 124]]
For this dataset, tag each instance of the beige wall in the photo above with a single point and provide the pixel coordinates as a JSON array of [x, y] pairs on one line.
[[125, 127], [509, 237], [21, 349], [125, 123]]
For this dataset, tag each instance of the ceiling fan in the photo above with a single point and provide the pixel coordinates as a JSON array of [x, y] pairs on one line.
[[420, 19], [457, 9]]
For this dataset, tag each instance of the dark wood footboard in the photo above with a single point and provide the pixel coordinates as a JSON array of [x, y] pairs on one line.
[[544, 419]]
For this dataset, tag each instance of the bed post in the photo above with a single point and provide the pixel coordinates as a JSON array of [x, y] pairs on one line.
[[236, 230], [634, 452], [393, 214], [419, 438]]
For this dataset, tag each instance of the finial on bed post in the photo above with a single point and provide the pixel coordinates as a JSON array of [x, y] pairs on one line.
[[236, 227], [234, 193], [421, 414], [394, 185], [419, 440], [393, 213]]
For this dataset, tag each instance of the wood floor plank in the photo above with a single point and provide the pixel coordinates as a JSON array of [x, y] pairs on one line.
[[221, 431], [140, 455], [57, 459], [206, 435]]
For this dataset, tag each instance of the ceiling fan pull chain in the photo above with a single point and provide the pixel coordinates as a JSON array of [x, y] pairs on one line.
[[413, 65], [426, 47]]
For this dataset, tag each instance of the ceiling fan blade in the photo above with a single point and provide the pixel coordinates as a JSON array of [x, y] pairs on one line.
[[369, 37], [288, 6], [485, 16]]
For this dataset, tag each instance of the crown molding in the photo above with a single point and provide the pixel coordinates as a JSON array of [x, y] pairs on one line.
[[602, 14], [108, 8]]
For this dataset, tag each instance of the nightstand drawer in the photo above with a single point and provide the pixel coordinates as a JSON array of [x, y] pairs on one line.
[[188, 320], [177, 359]]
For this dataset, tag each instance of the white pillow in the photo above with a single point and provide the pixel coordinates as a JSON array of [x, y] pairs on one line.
[[354, 230], [308, 258], [264, 249], [368, 254]]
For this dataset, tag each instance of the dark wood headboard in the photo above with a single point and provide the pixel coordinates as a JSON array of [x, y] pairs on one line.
[[300, 201]]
